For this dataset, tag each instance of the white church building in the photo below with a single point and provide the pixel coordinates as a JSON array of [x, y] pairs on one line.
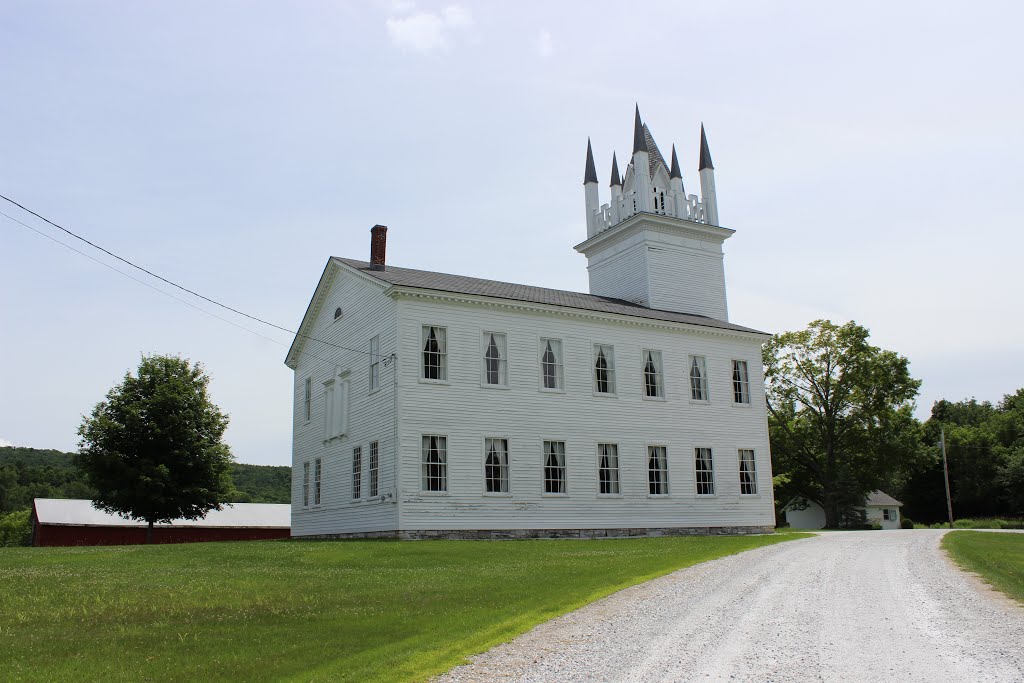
[[429, 405]]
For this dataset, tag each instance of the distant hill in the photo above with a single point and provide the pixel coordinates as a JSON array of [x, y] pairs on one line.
[[27, 473]]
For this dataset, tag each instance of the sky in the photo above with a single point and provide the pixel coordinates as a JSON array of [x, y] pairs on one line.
[[868, 156]]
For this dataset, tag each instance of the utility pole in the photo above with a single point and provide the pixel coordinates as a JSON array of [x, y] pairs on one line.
[[945, 472]]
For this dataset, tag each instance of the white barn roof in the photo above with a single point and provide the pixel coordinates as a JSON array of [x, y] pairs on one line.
[[73, 512]]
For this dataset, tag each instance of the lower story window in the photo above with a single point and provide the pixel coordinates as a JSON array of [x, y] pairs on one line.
[[435, 463], [317, 471], [305, 484], [374, 469], [608, 468], [657, 471], [496, 465], [357, 472], [748, 472], [705, 471], [554, 467]]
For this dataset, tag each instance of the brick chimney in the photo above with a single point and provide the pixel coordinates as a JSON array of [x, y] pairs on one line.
[[378, 246]]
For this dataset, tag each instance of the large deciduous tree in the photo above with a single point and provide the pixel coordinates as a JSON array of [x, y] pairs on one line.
[[153, 449], [840, 415]]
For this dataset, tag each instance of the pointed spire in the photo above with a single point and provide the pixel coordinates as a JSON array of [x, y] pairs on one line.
[[616, 178], [675, 172], [590, 175], [705, 153], [639, 139]]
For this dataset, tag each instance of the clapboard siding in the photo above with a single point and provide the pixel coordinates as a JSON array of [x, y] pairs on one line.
[[621, 274], [467, 412], [367, 312], [685, 278]]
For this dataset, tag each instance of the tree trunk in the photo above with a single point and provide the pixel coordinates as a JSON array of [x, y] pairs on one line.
[[149, 533]]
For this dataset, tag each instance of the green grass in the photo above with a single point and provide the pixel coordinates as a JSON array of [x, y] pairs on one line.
[[997, 558], [977, 523], [309, 611]]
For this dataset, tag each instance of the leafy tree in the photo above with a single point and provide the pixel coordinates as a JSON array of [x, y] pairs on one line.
[[840, 415], [153, 449], [16, 528]]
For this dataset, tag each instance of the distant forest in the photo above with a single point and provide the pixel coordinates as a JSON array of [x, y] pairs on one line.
[[27, 473]]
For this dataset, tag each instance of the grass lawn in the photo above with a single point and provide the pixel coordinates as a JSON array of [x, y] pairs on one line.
[[998, 558], [304, 611]]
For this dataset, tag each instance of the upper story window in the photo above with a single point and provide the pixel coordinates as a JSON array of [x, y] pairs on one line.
[[657, 471], [604, 369], [317, 473], [375, 363], [654, 383], [495, 359], [496, 465], [305, 484], [740, 382], [554, 467], [608, 468], [698, 378], [435, 463], [374, 469], [748, 472], [435, 353], [551, 371], [337, 312], [307, 399], [357, 472], [705, 471]]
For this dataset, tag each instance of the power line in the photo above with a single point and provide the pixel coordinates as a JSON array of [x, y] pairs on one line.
[[163, 279]]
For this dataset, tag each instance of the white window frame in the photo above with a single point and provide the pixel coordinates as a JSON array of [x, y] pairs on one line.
[[614, 482], [709, 479], [609, 356], [374, 469], [664, 483], [357, 473], [374, 379], [501, 344], [307, 399], [318, 477], [305, 484], [752, 485], [557, 350], [504, 480], [702, 366], [442, 476], [659, 378], [544, 469], [886, 517], [741, 384], [441, 337]]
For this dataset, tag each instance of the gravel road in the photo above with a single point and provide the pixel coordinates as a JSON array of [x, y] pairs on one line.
[[870, 606]]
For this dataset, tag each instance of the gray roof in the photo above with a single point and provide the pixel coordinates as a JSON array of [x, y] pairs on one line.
[[881, 498], [590, 174], [654, 156], [616, 178], [675, 172], [705, 153], [459, 284], [78, 512], [639, 140]]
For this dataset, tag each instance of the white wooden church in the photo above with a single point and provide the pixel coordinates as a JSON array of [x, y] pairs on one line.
[[432, 405]]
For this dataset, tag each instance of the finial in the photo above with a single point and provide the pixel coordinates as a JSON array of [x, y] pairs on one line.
[[639, 139], [590, 175], [616, 178], [705, 153], [675, 172]]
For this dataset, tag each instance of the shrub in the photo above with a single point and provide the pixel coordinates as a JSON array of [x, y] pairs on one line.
[[988, 523], [906, 523], [15, 528]]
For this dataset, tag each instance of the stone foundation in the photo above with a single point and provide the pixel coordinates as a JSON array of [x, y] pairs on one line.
[[512, 534]]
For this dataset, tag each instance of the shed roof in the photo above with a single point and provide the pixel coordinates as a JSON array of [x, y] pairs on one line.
[[881, 498], [76, 512], [460, 284]]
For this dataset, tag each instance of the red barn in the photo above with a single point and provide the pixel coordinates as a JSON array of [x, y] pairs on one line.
[[59, 522]]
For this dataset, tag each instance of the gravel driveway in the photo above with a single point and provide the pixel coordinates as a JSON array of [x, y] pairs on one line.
[[853, 606]]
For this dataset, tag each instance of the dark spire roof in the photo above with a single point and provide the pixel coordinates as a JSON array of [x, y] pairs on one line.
[[639, 139], [654, 158], [616, 178], [590, 175], [675, 172], [705, 153]]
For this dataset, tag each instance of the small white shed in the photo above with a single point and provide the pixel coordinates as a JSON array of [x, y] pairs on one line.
[[879, 508]]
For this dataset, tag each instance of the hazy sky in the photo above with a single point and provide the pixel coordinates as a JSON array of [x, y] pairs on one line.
[[868, 156]]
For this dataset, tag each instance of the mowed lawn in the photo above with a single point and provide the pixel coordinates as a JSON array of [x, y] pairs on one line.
[[996, 557], [304, 611]]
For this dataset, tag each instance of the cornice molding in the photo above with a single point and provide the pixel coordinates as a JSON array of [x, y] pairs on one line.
[[658, 223]]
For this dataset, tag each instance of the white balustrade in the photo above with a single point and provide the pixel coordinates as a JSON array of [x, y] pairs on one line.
[[665, 203]]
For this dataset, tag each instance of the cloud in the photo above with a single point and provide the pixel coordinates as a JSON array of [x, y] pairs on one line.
[[426, 32], [5, 443], [545, 45]]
